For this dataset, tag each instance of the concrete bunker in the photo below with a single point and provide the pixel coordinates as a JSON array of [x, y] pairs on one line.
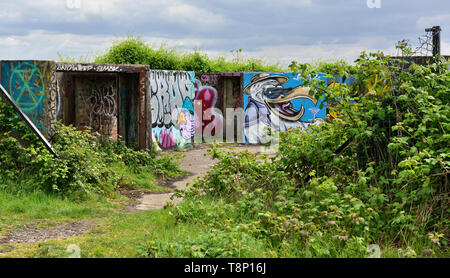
[[110, 99]]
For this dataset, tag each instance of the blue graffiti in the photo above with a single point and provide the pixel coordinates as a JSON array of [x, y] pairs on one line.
[[279, 101], [27, 88]]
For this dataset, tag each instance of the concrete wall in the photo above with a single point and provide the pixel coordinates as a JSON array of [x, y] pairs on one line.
[[96, 103], [32, 84], [225, 90], [111, 99], [209, 95]]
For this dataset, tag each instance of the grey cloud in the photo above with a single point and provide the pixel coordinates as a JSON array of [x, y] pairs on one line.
[[223, 25]]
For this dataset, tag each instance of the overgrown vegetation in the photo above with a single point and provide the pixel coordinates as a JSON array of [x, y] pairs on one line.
[[376, 174], [133, 50], [388, 186], [89, 164]]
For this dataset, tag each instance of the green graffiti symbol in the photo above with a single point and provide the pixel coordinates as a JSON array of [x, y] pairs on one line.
[[24, 86]]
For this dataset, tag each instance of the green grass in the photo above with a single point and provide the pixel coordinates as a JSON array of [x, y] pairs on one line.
[[121, 235], [125, 235], [145, 179], [31, 207]]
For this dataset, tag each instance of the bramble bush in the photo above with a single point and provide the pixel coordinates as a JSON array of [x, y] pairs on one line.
[[254, 196], [399, 126]]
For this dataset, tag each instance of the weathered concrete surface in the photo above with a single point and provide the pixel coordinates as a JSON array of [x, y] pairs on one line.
[[195, 162]]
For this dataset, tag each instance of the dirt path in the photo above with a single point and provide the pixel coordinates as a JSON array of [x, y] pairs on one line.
[[30, 234], [195, 162]]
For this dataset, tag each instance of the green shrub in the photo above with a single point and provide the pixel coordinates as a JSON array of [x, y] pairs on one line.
[[398, 161], [132, 50], [129, 51], [257, 197]]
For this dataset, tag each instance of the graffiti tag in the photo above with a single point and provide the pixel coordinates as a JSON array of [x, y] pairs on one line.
[[80, 67]]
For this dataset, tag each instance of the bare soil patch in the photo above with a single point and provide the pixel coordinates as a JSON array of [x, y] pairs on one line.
[[31, 234]]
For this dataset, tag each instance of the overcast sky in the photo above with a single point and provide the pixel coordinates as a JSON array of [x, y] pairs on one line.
[[278, 30]]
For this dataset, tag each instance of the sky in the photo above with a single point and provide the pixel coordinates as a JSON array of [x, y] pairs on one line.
[[275, 30]]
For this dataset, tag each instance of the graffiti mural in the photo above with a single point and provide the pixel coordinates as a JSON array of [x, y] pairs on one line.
[[210, 79], [27, 88], [172, 95], [90, 67], [278, 101], [32, 85], [63, 83], [97, 106]]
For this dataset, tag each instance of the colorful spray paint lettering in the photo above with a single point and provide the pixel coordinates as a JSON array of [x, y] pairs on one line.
[[278, 102], [211, 79], [172, 94], [32, 85]]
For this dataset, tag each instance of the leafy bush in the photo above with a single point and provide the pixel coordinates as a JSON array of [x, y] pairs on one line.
[[130, 51], [400, 130], [84, 167], [398, 161], [133, 50], [257, 197]]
